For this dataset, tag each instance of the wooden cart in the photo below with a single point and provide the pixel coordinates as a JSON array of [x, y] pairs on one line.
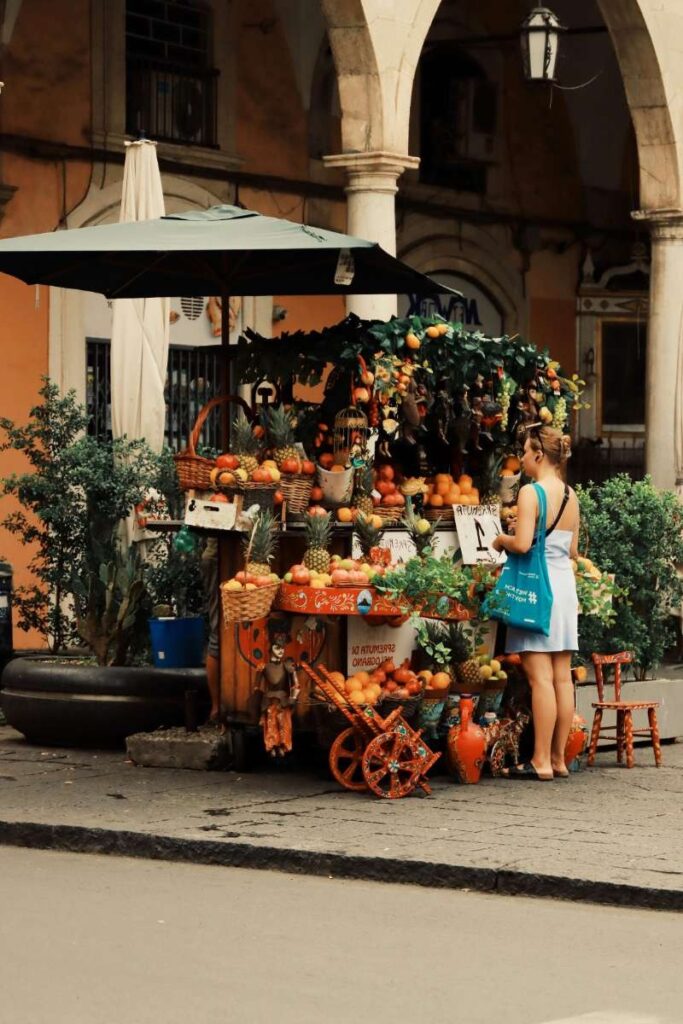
[[383, 755]]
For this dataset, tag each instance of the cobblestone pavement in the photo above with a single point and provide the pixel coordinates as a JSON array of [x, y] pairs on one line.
[[607, 833]]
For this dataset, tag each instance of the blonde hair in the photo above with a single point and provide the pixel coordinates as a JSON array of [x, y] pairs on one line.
[[556, 446]]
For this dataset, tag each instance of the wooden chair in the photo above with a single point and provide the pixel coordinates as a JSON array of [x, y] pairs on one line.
[[624, 711]]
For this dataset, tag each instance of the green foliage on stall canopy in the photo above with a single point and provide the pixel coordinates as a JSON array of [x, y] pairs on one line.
[[456, 356]]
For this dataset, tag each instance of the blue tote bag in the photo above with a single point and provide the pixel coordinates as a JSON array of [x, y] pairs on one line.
[[522, 597]]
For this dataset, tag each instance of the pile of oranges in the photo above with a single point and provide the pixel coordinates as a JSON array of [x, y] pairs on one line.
[[444, 490]]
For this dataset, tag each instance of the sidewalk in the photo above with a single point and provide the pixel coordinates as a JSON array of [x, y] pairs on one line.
[[606, 835]]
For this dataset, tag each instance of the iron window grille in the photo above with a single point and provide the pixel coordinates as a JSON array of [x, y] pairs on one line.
[[193, 377], [171, 88]]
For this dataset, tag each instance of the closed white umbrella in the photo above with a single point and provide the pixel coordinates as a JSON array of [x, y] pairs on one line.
[[139, 337]]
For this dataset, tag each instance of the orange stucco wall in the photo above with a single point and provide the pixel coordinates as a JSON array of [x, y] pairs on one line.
[[47, 96]]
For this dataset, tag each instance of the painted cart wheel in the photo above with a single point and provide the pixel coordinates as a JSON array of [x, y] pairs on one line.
[[393, 763], [346, 756]]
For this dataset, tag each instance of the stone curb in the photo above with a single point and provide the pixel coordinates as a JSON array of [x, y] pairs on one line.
[[79, 839]]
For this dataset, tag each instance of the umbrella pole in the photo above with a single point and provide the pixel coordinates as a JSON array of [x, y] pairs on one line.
[[226, 369]]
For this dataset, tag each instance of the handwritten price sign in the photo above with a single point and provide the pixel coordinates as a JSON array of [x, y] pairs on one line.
[[478, 526]]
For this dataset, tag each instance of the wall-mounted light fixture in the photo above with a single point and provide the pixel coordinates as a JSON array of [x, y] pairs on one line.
[[540, 41]]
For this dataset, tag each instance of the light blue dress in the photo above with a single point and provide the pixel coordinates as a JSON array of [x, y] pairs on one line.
[[564, 617]]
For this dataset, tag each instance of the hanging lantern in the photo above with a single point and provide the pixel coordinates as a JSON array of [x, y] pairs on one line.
[[540, 40], [350, 435]]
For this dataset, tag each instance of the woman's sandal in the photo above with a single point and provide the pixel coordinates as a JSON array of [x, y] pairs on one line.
[[527, 772], [560, 775]]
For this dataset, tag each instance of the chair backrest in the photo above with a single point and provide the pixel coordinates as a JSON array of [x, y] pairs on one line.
[[600, 660]]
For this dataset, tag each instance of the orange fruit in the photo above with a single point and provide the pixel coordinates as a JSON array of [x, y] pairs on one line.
[[453, 497], [474, 495], [344, 515], [338, 678], [337, 469], [442, 478], [443, 487], [436, 501], [465, 485], [464, 479], [364, 677], [357, 697], [507, 472], [513, 463], [354, 684]]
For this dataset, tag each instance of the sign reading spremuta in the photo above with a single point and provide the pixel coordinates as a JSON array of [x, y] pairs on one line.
[[478, 526]]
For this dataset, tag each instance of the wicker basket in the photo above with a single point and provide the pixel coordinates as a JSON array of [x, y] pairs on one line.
[[194, 471], [410, 705], [253, 493], [247, 605], [435, 515], [296, 490], [389, 515]]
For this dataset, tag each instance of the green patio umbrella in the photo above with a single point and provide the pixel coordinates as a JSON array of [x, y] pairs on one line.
[[221, 251]]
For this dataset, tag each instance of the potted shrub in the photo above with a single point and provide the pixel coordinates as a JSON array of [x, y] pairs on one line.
[[90, 599], [635, 532]]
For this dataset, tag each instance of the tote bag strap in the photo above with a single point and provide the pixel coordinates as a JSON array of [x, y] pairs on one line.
[[541, 529]]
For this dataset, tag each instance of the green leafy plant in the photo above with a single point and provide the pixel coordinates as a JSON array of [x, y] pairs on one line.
[[72, 504], [632, 530], [423, 582]]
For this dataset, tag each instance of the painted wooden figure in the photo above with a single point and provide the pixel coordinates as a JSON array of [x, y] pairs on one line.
[[279, 688]]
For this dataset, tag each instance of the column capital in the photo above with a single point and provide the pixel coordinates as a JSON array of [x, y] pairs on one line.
[[373, 171], [665, 225]]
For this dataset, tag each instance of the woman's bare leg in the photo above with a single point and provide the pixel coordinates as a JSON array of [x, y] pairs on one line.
[[539, 671], [564, 697]]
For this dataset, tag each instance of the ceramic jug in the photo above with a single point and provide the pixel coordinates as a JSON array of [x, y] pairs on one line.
[[466, 745]]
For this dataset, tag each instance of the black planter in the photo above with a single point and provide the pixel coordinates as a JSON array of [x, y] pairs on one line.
[[73, 705]]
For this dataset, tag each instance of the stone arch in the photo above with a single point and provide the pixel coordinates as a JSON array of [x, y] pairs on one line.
[[376, 54], [376, 50], [632, 29], [475, 257]]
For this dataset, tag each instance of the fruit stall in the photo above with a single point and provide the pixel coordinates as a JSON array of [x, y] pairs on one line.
[[372, 450]]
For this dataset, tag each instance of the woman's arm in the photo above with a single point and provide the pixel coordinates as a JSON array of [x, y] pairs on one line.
[[527, 507], [574, 549]]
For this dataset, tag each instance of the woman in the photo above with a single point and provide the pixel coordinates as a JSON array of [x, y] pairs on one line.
[[547, 659]]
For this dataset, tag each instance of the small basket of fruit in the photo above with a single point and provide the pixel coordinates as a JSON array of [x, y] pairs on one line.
[[194, 471], [295, 473], [400, 686], [250, 594]]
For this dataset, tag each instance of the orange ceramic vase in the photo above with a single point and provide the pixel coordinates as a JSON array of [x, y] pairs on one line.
[[466, 745], [576, 741]]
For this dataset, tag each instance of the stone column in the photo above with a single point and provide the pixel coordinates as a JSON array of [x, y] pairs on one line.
[[664, 339], [372, 184]]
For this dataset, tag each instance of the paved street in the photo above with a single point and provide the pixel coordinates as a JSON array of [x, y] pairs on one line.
[[602, 828], [93, 940]]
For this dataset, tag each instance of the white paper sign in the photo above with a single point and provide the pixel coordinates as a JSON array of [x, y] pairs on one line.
[[368, 646], [478, 526]]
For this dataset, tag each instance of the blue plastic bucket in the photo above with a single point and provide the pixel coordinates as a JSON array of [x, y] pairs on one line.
[[177, 643]]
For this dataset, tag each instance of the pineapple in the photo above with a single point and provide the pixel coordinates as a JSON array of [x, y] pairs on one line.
[[364, 484], [420, 529], [260, 547], [370, 538], [244, 445], [318, 529], [281, 435], [490, 479], [467, 667]]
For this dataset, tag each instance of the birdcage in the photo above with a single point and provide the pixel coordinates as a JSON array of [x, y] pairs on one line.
[[350, 434]]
